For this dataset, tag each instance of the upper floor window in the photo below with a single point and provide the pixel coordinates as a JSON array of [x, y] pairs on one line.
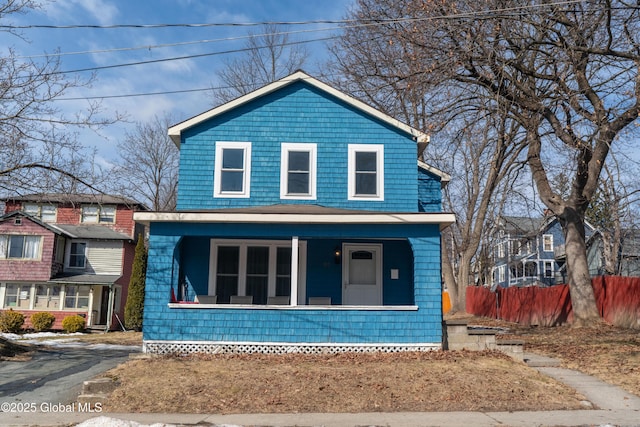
[[98, 214], [19, 247], [298, 171], [232, 175], [46, 213], [547, 242], [77, 256], [366, 172]]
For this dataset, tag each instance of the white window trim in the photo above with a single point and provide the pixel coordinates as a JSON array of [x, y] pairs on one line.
[[544, 243], [358, 148], [310, 148], [553, 268], [67, 256], [7, 238], [273, 245], [246, 179]]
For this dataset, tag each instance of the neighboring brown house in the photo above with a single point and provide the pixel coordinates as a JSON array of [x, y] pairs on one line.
[[68, 254]]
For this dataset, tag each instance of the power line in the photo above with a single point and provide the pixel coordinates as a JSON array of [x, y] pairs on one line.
[[178, 58], [353, 23]]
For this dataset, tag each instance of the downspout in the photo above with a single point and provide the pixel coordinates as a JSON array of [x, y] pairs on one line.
[[110, 307]]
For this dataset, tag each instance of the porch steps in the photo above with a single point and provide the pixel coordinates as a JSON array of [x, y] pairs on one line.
[[459, 336]]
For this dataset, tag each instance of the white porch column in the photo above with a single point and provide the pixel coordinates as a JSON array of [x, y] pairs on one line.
[[294, 270]]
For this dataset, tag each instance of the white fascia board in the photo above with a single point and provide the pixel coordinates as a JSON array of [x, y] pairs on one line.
[[443, 219], [444, 177], [176, 130]]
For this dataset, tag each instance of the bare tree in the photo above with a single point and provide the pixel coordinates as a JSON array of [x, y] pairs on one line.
[[611, 212], [39, 150], [147, 167], [480, 145], [267, 57], [568, 73]]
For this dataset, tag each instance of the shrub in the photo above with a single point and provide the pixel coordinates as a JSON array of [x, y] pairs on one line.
[[42, 321], [73, 324], [11, 321], [135, 298]]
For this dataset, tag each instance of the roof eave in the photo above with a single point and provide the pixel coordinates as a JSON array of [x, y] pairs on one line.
[[175, 132]]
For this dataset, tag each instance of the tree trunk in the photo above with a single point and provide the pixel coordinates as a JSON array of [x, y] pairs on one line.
[[585, 310], [449, 278]]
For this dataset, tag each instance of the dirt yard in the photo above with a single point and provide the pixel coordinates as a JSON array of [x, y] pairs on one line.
[[435, 381]]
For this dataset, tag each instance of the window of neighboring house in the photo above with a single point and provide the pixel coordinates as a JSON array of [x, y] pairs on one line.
[[366, 172], [44, 212], [547, 242], [77, 255], [501, 250], [501, 271], [256, 268], [17, 296], [76, 296], [232, 175], [107, 214], [19, 247], [47, 296], [548, 269], [530, 269], [298, 171], [98, 214]]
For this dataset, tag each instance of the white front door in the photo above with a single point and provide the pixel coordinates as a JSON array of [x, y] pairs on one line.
[[362, 274]]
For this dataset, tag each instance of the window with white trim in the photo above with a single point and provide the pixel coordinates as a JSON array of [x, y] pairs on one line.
[[547, 242], [98, 214], [298, 171], [17, 296], [232, 174], [256, 268], [366, 172], [501, 271], [76, 296], [548, 268], [77, 255], [44, 212], [15, 246]]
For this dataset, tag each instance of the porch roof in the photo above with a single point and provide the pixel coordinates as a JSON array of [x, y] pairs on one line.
[[295, 214], [86, 279]]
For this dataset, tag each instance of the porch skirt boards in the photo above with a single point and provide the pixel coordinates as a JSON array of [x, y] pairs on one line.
[[187, 347]]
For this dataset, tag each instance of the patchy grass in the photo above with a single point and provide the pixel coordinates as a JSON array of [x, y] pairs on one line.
[[433, 381], [609, 353], [12, 351]]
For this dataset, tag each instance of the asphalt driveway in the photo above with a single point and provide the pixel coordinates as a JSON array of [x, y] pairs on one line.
[[55, 375]]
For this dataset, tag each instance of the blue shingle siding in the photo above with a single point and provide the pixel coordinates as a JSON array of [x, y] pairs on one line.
[[303, 114], [429, 192], [311, 326]]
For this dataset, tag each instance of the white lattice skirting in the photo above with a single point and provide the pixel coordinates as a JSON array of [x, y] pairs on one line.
[[186, 347]]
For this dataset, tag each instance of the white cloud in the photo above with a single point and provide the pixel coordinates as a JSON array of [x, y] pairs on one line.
[[101, 11]]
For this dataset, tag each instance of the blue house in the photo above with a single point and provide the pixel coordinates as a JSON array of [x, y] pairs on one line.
[[305, 222], [529, 251]]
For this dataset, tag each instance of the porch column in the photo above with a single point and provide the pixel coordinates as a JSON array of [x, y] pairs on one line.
[[294, 271]]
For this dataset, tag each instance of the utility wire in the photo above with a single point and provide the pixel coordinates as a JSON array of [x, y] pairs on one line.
[[353, 23]]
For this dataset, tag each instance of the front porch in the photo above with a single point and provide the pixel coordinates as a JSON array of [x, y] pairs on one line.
[[306, 287]]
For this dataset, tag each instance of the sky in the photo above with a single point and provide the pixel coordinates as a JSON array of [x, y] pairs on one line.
[[97, 47]]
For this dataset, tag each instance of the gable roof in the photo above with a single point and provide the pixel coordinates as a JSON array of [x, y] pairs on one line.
[[175, 131], [32, 219], [102, 199]]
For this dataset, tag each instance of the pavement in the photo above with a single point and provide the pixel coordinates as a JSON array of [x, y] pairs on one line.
[[611, 405]]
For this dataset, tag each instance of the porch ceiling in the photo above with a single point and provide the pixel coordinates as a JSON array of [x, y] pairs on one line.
[[296, 214]]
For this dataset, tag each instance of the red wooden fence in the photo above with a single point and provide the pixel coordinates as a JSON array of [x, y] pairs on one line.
[[617, 298]]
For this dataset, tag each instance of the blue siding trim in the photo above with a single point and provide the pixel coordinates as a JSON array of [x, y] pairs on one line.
[[297, 113]]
